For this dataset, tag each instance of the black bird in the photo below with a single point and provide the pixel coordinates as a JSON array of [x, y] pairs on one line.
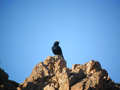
[[56, 49]]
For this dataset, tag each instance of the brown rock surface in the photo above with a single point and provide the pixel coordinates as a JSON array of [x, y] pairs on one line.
[[53, 74], [96, 78]]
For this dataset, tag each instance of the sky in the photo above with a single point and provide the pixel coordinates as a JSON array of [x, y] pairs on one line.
[[87, 30]]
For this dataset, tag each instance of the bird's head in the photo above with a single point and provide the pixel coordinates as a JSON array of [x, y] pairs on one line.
[[56, 43]]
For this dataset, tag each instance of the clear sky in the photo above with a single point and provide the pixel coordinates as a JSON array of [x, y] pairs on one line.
[[86, 29]]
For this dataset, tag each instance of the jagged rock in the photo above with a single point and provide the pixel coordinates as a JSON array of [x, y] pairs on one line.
[[6, 84], [53, 74], [96, 77]]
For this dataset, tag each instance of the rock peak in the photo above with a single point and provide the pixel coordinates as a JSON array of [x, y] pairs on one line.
[[53, 74]]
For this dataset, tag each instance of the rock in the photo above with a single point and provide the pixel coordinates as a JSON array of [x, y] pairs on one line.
[[5, 83], [96, 78], [53, 74]]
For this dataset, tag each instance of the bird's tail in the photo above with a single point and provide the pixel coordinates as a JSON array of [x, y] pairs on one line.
[[62, 56]]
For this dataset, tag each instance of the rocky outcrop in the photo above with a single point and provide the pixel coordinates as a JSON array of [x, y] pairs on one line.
[[5, 83], [96, 78], [53, 74]]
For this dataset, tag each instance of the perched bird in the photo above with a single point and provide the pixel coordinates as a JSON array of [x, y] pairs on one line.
[[56, 49]]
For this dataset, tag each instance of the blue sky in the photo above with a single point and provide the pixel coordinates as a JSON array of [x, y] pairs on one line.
[[86, 29]]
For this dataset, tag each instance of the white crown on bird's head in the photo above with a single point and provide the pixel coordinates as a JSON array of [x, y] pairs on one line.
[[56, 42]]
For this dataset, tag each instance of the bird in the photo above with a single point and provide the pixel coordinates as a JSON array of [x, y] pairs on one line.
[[56, 49]]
